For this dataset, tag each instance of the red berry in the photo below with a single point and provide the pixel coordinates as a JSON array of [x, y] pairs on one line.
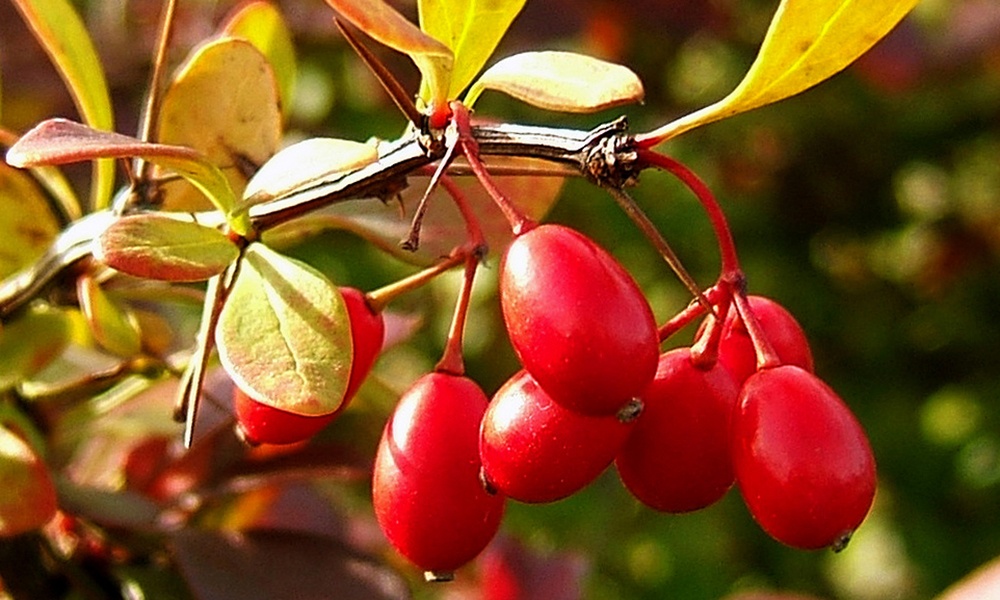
[[426, 489], [802, 460], [576, 319], [260, 423], [535, 450], [677, 458], [783, 332]]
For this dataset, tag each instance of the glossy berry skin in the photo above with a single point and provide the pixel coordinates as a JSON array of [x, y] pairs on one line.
[[259, 423], [802, 461], [783, 333], [577, 320], [535, 450], [426, 490], [677, 458]]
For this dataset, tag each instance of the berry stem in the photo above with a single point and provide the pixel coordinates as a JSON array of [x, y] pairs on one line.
[[519, 222], [654, 236], [766, 356], [451, 359], [693, 310], [727, 247], [378, 299]]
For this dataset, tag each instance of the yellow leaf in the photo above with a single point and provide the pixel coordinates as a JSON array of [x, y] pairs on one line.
[[808, 41], [28, 225], [262, 24], [223, 103], [65, 39], [471, 28], [562, 81], [385, 25]]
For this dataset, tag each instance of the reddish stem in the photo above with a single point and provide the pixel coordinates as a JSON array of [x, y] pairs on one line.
[[695, 309], [451, 359], [727, 247], [378, 299], [766, 356], [519, 222]]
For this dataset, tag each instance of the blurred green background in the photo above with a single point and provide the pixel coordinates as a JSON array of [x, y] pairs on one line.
[[869, 206]]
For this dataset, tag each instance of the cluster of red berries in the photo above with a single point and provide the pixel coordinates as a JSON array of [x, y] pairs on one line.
[[681, 426], [595, 390]]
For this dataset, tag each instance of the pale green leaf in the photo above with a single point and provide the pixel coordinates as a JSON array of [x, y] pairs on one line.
[[302, 163], [471, 28], [154, 246], [113, 327], [30, 342], [808, 41], [384, 24], [28, 225], [240, 126], [561, 81], [262, 24], [284, 334], [63, 36]]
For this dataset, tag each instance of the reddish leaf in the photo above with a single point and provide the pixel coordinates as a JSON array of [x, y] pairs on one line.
[[272, 565]]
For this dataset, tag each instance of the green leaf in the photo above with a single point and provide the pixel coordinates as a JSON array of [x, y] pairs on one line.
[[28, 496], [60, 141], [28, 225], [562, 81], [113, 327], [284, 335], [63, 36], [808, 41], [384, 24], [30, 342], [240, 125], [262, 24], [302, 163], [155, 246], [471, 29]]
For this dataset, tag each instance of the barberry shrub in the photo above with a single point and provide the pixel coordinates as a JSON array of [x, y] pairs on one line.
[[191, 294]]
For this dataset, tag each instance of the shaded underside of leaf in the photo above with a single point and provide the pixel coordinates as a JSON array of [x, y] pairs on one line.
[[28, 225], [284, 334], [64, 37], [384, 24], [807, 42], [61, 141], [561, 81], [471, 28], [263, 25], [386, 224], [224, 103], [153, 246]]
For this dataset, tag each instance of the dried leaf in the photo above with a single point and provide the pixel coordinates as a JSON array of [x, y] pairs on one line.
[[28, 225], [808, 41], [154, 246], [263, 25], [384, 24], [471, 28], [63, 36], [284, 335], [562, 81], [237, 129], [113, 327]]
